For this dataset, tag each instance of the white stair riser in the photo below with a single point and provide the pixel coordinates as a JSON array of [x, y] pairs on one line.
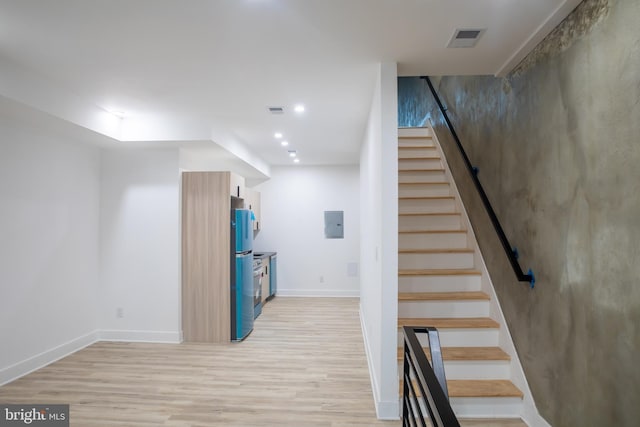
[[439, 283], [474, 369], [487, 407], [429, 222], [482, 407], [432, 241], [473, 337], [424, 190], [413, 152], [422, 176], [426, 206], [418, 309], [414, 132], [412, 164], [417, 261]]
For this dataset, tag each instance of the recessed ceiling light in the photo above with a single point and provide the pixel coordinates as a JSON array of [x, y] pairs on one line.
[[296, 160], [299, 108], [118, 114], [284, 143], [277, 135], [292, 154]]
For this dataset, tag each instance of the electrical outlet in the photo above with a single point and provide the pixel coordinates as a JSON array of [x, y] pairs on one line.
[[352, 269], [119, 312]]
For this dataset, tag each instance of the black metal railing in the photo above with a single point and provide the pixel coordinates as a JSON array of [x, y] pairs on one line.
[[512, 253], [430, 401]]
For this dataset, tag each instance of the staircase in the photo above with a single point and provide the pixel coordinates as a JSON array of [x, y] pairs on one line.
[[441, 284]]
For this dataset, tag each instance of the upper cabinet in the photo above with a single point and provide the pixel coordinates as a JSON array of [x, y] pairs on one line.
[[251, 197], [236, 186], [252, 202]]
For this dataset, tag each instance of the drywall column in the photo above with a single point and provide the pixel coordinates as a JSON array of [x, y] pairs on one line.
[[378, 242], [140, 246]]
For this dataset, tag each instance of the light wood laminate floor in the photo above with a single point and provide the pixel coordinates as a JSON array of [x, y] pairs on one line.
[[303, 365]]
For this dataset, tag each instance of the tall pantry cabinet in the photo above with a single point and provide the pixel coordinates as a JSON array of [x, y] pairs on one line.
[[206, 254]]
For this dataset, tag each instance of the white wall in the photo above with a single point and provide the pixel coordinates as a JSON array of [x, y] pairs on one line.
[[379, 242], [49, 188], [140, 245], [293, 202]]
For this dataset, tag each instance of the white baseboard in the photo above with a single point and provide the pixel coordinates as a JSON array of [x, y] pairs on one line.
[[385, 410], [388, 410], [45, 358], [531, 416], [141, 336], [20, 369], [326, 293], [367, 351]]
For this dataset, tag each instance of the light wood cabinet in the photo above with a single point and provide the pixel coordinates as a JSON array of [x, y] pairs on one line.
[[257, 211], [206, 255], [236, 185], [252, 202]]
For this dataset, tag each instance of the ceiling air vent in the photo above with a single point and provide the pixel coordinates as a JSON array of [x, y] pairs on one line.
[[467, 37], [276, 110]]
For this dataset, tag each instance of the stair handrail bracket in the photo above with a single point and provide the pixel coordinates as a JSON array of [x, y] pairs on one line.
[[511, 252], [432, 395]]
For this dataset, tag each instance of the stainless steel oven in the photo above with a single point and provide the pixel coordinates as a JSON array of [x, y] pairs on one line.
[[257, 287]]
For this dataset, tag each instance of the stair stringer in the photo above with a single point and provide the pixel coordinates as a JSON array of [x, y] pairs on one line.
[[528, 411]]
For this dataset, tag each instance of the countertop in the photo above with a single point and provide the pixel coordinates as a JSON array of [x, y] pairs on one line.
[[263, 255]]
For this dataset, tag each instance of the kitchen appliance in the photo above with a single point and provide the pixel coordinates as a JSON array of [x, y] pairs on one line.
[[257, 287], [242, 306], [273, 275]]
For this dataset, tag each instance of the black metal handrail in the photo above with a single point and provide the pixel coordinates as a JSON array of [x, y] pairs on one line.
[[512, 253], [433, 399]]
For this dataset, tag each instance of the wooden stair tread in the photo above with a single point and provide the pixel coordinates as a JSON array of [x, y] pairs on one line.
[[450, 322], [421, 170], [442, 296], [426, 198], [437, 251], [418, 212], [466, 353], [416, 231], [440, 272], [428, 213], [416, 146], [478, 388], [414, 136], [420, 158], [425, 183], [483, 388]]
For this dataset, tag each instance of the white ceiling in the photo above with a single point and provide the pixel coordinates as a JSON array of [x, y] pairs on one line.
[[179, 68]]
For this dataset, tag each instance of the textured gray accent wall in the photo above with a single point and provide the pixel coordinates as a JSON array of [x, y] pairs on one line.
[[557, 144]]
